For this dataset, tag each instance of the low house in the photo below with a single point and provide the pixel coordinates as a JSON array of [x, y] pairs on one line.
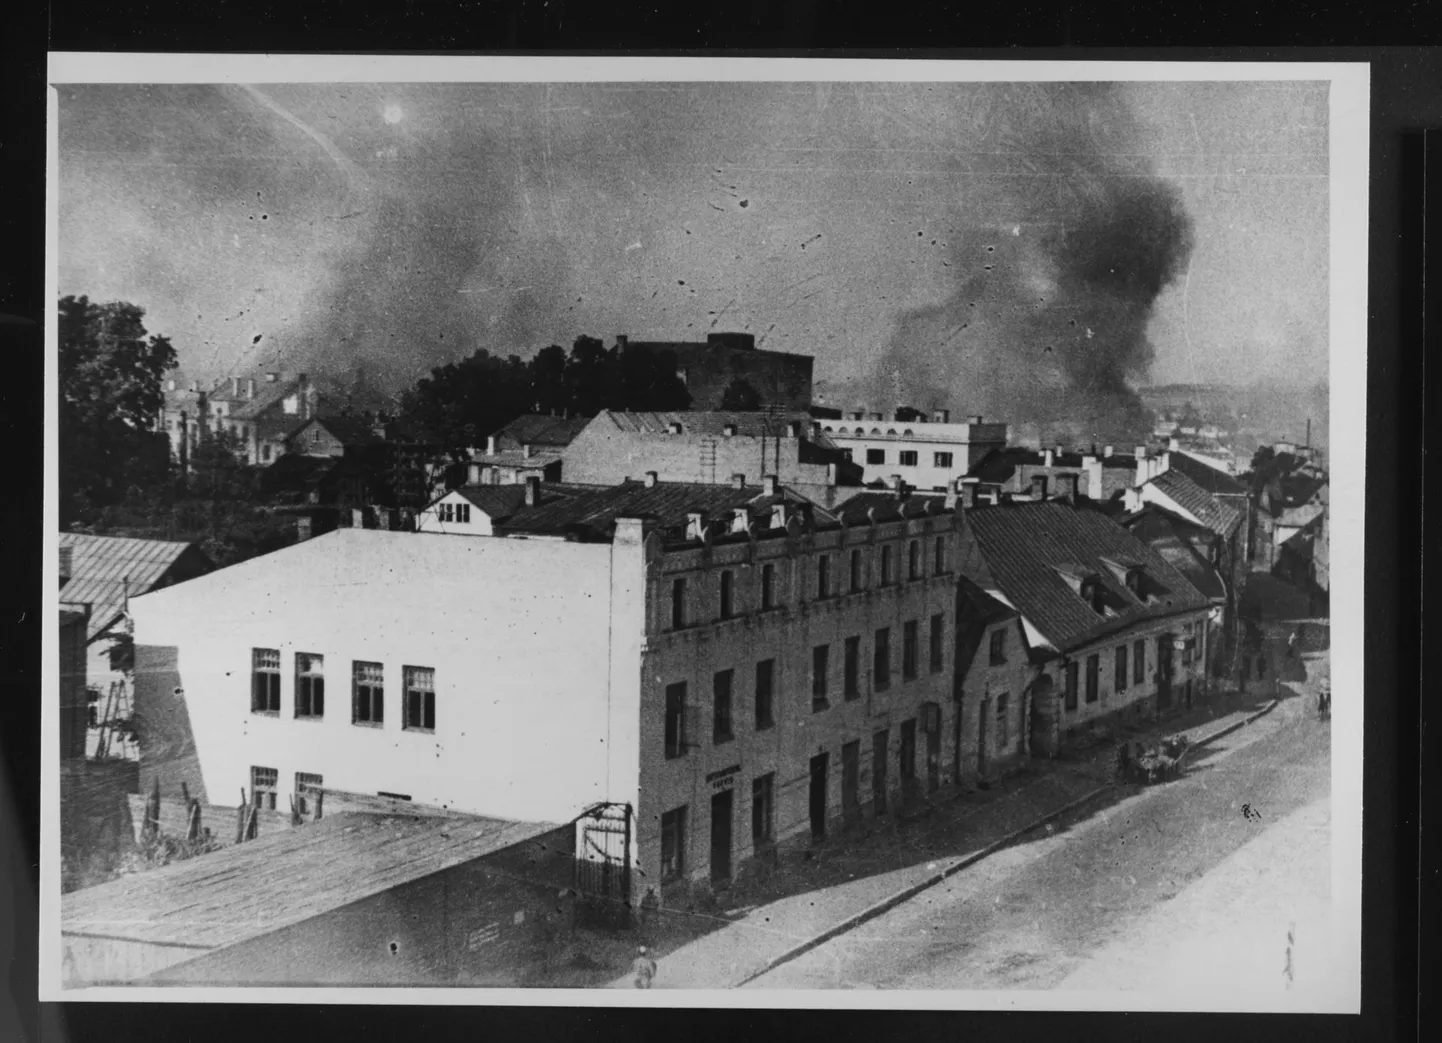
[[926, 451], [351, 900], [995, 667], [1110, 611], [710, 448], [1018, 471], [529, 446], [333, 436]]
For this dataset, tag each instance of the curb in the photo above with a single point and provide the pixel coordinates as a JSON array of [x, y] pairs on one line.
[[910, 892], [906, 894]]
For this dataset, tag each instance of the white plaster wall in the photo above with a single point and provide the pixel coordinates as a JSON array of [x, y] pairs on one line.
[[429, 520]]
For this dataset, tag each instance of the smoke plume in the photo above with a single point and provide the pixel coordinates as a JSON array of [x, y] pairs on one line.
[[1047, 324]]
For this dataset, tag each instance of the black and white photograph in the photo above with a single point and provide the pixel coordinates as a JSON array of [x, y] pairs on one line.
[[842, 532]]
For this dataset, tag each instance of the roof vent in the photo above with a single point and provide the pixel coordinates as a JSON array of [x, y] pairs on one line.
[[650, 479], [738, 481], [674, 427], [740, 519]]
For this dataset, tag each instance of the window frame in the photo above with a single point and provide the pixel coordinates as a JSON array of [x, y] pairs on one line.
[[723, 691], [303, 781], [913, 560], [410, 676], [726, 594], [374, 694], [309, 700], [257, 671], [768, 586], [678, 603], [765, 701], [910, 652], [673, 836], [937, 639], [856, 575], [1139, 661], [820, 677], [939, 553], [881, 659], [1094, 677], [674, 732], [259, 787], [1120, 668], [1003, 720], [823, 576], [875, 456], [1070, 684], [886, 578], [851, 668], [942, 460], [996, 650]]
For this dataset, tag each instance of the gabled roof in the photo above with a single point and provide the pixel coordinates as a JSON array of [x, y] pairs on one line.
[[540, 429], [496, 501], [1221, 518], [1177, 540], [348, 431], [539, 458], [976, 612], [104, 569], [1209, 478], [1023, 544]]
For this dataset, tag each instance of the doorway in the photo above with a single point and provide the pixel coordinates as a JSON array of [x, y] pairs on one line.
[[818, 796], [982, 720], [721, 836], [1164, 671]]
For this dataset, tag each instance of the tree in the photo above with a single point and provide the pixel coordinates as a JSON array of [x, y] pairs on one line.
[[110, 372], [740, 397]]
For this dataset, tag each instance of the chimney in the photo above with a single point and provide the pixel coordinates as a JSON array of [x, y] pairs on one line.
[[941, 416], [67, 562], [896, 416], [1107, 451], [738, 481], [1059, 450], [793, 429], [235, 387], [533, 490], [526, 451], [1141, 452], [729, 430], [357, 518], [473, 476], [832, 474], [695, 526], [621, 341], [650, 479], [768, 484], [968, 488], [894, 483], [674, 427], [1048, 459], [250, 388], [1174, 445], [1038, 487], [490, 445], [740, 519], [1066, 487], [302, 529]]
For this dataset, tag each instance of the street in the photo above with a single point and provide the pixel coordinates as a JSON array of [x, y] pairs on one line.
[[1030, 916]]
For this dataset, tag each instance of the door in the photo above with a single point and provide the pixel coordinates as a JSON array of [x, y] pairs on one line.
[[1164, 670], [721, 836], [982, 720], [818, 797], [851, 781], [933, 754], [908, 759], [879, 743]]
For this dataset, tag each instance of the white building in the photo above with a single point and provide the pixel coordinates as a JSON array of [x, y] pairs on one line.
[[926, 454]]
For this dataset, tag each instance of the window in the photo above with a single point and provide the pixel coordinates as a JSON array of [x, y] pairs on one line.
[[309, 685], [876, 456], [820, 657], [368, 688], [1071, 686], [264, 680], [727, 583], [938, 650], [675, 720], [879, 755], [463, 513], [420, 684], [913, 560], [908, 751], [765, 689], [393, 796], [852, 671], [721, 707], [908, 458], [315, 434], [886, 565], [941, 459], [1091, 592], [998, 647], [763, 810], [673, 843], [265, 451], [851, 781], [1119, 679], [908, 650], [678, 604], [939, 565], [305, 785], [1139, 662], [1093, 677], [1003, 735], [768, 586], [263, 784], [823, 576], [881, 660], [855, 571]]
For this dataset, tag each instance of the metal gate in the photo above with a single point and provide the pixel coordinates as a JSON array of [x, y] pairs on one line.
[[603, 864]]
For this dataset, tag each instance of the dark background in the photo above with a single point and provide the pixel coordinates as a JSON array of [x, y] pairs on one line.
[[1399, 909]]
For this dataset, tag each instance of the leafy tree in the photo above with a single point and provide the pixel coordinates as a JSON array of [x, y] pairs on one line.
[[740, 397], [218, 470], [548, 380], [110, 396]]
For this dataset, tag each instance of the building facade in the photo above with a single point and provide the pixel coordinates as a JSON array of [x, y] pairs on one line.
[[927, 454]]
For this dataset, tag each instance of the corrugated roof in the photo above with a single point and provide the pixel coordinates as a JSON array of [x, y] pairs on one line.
[[104, 568], [1221, 518], [250, 889], [1024, 543]]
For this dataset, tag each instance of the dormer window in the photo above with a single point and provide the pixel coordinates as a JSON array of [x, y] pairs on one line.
[[1091, 593]]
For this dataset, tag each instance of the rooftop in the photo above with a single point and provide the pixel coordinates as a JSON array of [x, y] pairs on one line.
[[540, 429], [748, 425], [103, 569], [1024, 545], [1221, 518], [1208, 477], [250, 889]]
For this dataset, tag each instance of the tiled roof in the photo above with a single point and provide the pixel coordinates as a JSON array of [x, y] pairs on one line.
[[539, 429], [103, 569], [888, 506], [1221, 518], [1206, 476], [1176, 540], [1022, 544]]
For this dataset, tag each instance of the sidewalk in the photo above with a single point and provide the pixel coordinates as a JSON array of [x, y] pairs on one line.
[[858, 880]]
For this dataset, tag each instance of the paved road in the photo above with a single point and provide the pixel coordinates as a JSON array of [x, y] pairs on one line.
[[1029, 916]]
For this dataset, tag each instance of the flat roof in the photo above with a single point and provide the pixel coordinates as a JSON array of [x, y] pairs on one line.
[[250, 889]]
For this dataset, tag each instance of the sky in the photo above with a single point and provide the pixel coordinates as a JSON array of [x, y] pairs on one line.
[[287, 226]]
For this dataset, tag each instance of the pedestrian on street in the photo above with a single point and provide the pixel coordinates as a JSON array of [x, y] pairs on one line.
[[1292, 645], [644, 968]]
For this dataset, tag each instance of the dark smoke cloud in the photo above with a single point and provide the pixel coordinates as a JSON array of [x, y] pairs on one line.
[[1046, 326]]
